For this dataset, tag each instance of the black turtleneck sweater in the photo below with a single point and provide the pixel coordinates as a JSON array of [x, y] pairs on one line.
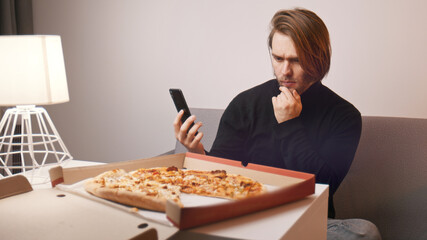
[[321, 141]]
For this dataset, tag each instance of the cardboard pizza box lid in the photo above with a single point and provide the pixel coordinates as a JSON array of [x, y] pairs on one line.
[[292, 185], [55, 214], [14, 185]]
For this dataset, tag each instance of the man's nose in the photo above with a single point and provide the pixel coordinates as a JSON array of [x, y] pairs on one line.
[[286, 68]]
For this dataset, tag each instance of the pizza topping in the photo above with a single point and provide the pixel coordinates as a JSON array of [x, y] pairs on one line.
[[219, 173], [168, 183], [173, 168]]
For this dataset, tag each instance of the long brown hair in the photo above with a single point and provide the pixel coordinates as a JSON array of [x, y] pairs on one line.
[[310, 36]]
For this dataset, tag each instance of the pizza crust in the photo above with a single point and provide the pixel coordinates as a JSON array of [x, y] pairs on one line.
[[126, 197]]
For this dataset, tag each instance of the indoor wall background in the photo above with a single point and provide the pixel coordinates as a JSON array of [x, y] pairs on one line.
[[122, 57]]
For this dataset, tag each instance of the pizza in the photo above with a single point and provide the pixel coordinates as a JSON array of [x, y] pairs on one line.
[[151, 188]]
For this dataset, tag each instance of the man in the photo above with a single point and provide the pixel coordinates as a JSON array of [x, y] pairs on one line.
[[293, 121]]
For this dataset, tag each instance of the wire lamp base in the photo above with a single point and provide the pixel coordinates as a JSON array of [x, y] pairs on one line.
[[29, 141]]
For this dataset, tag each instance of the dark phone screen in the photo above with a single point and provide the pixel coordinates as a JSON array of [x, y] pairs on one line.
[[180, 103]]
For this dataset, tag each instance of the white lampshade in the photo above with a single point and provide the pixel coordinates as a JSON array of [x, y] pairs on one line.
[[32, 70]]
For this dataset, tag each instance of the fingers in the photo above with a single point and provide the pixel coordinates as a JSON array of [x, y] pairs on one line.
[[191, 139], [290, 96], [177, 122], [283, 99], [274, 101], [286, 105], [296, 96], [286, 94], [196, 141], [182, 133], [187, 133], [193, 129]]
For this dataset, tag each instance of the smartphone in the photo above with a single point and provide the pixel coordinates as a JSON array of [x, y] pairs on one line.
[[180, 103]]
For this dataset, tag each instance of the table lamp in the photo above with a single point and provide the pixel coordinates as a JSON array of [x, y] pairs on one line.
[[32, 72]]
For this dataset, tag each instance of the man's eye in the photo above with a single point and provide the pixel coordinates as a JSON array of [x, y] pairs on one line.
[[278, 59]]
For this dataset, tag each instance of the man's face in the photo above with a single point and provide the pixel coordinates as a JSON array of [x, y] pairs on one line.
[[287, 68]]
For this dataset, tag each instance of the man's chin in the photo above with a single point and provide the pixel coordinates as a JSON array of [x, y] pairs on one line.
[[291, 89]]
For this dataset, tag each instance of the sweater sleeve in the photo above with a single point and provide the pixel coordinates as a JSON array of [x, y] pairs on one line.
[[331, 159]]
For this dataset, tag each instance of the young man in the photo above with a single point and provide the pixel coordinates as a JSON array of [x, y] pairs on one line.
[[293, 121]]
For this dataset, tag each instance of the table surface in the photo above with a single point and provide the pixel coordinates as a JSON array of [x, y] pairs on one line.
[[268, 224]]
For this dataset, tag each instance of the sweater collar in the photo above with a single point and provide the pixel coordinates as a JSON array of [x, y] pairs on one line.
[[312, 93]]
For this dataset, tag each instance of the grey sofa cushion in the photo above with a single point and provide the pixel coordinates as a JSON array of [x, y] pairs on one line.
[[387, 182]]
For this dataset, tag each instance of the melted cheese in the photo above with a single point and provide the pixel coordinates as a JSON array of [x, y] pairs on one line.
[[160, 183]]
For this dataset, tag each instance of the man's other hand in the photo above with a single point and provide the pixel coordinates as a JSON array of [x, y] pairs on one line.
[[287, 105]]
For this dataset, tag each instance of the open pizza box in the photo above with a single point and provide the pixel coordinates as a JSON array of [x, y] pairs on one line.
[[284, 186], [28, 213]]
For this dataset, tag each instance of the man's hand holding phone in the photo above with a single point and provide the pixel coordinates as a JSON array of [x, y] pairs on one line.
[[189, 137]]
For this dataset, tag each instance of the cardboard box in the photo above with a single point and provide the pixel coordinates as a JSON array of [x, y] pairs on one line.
[[291, 185], [55, 214]]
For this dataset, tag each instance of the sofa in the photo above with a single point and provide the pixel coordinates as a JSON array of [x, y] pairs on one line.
[[387, 181]]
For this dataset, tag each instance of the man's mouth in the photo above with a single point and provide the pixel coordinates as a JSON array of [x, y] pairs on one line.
[[288, 84]]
